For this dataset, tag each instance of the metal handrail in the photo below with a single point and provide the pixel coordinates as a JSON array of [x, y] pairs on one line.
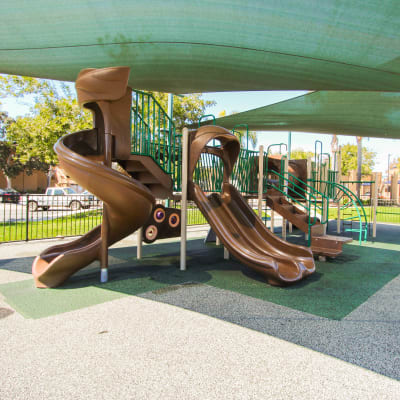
[[308, 197], [154, 134], [354, 201]]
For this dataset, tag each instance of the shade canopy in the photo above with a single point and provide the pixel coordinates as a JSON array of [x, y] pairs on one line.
[[371, 114], [196, 46]]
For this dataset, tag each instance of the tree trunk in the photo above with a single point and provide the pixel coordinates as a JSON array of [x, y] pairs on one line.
[[9, 182], [49, 176]]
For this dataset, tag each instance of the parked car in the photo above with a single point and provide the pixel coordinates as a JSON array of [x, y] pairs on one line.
[[58, 197], [94, 201], [10, 196]]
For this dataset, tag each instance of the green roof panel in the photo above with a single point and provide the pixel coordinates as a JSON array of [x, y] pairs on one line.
[[221, 45], [370, 114]]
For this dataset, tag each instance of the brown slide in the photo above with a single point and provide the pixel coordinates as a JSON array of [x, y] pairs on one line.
[[128, 203], [240, 230]]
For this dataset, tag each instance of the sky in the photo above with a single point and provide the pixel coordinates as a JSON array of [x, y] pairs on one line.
[[242, 101]]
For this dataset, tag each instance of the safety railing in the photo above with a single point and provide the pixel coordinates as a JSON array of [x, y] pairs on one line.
[[350, 206], [315, 204], [153, 134]]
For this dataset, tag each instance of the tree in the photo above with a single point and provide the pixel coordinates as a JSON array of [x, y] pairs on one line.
[[55, 113], [300, 154], [10, 164], [241, 134], [349, 159], [187, 109], [31, 138], [35, 135]]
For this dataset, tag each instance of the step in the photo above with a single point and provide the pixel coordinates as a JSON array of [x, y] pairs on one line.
[[160, 192], [317, 230], [329, 245], [134, 166], [146, 178], [322, 251], [288, 208]]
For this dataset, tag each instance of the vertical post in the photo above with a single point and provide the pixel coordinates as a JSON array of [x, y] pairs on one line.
[[105, 223], [185, 151], [27, 218], [338, 180], [272, 220], [394, 188], [139, 243], [170, 116], [285, 175], [226, 253], [375, 204], [289, 152], [217, 241], [325, 204], [312, 184], [260, 179]]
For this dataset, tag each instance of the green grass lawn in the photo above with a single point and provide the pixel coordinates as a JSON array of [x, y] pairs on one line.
[[384, 214], [68, 225]]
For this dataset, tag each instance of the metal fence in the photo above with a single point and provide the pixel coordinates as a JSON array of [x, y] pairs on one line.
[[388, 211], [32, 217]]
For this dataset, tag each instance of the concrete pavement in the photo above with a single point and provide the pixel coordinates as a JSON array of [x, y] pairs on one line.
[[139, 348]]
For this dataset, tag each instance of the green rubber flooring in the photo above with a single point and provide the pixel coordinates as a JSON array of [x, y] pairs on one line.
[[337, 288]]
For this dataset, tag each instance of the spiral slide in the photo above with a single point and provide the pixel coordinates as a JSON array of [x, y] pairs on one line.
[[129, 205], [240, 230], [82, 155]]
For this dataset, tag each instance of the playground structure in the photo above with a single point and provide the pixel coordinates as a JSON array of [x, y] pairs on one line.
[[86, 156], [154, 158]]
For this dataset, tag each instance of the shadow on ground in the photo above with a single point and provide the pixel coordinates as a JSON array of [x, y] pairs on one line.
[[337, 288]]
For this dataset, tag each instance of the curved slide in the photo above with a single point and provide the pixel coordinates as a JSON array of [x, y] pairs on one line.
[[128, 203], [240, 230]]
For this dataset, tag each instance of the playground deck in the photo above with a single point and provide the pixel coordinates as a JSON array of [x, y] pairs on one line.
[[349, 310]]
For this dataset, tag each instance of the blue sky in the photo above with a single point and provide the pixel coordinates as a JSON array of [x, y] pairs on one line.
[[242, 101]]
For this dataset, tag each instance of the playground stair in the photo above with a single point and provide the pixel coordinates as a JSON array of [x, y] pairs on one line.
[[150, 174], [321, 244]]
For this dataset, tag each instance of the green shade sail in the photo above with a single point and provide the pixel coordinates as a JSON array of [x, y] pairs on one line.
[[371, 114], [196, 46]]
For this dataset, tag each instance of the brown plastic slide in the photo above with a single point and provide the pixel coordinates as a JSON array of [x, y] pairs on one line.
[[240, 230], [128, 203], [129, 206]]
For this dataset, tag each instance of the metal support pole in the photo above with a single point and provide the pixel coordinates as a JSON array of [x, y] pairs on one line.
[[105, 226], [375, 204], [285, 174], [260, 179], [272, 220], [338, 180], [185, 151], [139, 243], [217, 241], [226, 253], [325, 213], [170, 116]]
